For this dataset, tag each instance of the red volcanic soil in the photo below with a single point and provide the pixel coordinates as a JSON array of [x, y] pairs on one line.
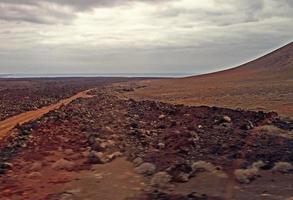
[[72, 152], [263, 84], [113, 147]]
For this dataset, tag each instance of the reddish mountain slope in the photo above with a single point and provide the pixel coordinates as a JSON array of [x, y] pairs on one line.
[[278, 63], [263, 84]]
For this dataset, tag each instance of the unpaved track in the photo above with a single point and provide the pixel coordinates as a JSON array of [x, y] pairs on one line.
[[116, 180], [10, 123], [97, 183]]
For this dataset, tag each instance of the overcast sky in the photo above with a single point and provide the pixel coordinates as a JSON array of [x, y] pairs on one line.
[[140, 36]]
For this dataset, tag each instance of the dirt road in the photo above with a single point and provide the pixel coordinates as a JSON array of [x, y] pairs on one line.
[[99, 182], [10, 123]]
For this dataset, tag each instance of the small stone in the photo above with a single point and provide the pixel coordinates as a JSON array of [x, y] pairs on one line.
[[63, 164], [246, 175], [194, 136], [161, 145], [203, 165], [75, 156], [146, 168], [7, 165], [115, 155], [162, 116], [283, 167], [34, 175], [137, 161], [182, 177], [24, 145], [160, 179], [96, 158], [247, 126], [86, 153], [111, 142], [103, 145], [258, 164], [36, 166], [107, 144], [66, 196], [97, 146], [227, 119], [109, 129], [68, 151], [114, 136]]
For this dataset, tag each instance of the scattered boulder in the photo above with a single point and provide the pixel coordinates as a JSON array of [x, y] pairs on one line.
[[34, 175], [85, 153], [182, 177], [66, 196], [247, 125], [273, 130], [36, 166], [115, 137], [75, 156], [246, 175], [63, 164], [226, 119], [4, 166], [146, 168], [283, 167], [7, 165], [100, 146], [115, 155], [96, 146], [109, 129], [137, 161], [203, 165], [160, 179], [68, 151], [258, 164], [225, 126], [161, 145], [194, 136], [96, 158]]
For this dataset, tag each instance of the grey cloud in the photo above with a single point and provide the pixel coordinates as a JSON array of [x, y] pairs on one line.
[[38, 14], [80, 4], [228, 36], [50, 11], [242, 12]]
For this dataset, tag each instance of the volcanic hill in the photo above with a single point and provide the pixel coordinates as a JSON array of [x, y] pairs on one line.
[[262, 84]]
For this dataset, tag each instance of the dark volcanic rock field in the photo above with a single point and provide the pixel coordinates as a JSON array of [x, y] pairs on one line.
[[20, 95]]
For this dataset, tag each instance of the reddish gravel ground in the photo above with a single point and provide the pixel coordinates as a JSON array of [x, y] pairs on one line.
[[63, 153]]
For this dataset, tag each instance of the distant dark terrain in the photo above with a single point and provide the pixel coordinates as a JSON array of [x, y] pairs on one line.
[[25, 94]]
